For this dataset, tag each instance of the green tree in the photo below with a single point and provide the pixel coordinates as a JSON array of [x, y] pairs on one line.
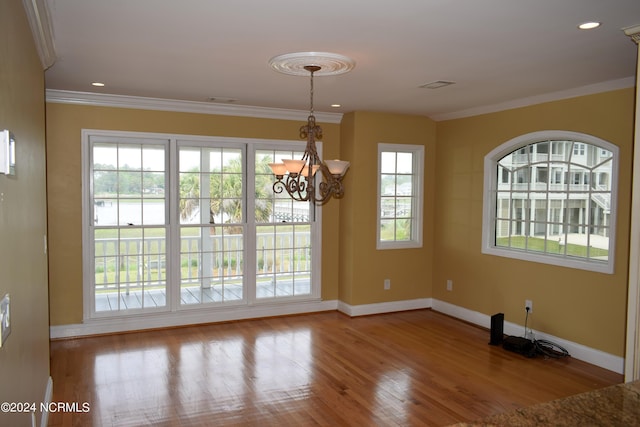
[[226, 189], [126, 180], [105, 179], [189, 193]]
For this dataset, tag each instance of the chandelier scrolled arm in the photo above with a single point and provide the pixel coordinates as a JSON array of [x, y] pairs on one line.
[[333, 188], [278, 186], [311, 128], [295, 186]]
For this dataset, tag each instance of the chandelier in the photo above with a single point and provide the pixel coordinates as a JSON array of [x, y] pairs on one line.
[[309, 178]]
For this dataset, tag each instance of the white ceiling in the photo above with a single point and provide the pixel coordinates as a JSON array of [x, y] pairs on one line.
[[499, 52]]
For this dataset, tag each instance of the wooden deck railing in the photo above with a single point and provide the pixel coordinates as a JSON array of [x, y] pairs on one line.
[[134, 262]]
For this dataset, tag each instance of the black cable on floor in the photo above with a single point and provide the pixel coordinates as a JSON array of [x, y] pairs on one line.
[[545, 347], [550, 349]]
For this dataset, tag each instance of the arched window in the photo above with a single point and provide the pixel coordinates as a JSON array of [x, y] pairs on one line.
[[550, 197]]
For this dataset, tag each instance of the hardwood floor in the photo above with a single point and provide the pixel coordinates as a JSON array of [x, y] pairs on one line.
[[411, 368]]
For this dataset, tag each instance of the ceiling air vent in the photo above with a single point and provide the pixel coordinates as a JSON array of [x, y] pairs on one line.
[[222, 99], [437, 84]]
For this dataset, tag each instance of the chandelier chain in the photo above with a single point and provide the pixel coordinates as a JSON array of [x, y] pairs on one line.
[[311, 96]]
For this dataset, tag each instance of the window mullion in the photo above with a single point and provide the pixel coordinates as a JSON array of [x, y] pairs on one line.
[[173, 225], [249, 216]]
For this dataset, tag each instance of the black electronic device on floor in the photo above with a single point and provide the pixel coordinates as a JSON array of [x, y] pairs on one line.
[[497, 329], [520, 345]]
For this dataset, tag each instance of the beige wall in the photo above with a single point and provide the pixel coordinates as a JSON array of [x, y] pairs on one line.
[[363, 268], [580, 306], [64, 125], [584, 307], [24, 358]]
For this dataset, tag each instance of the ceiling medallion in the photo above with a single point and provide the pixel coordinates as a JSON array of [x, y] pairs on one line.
[[331, 64]]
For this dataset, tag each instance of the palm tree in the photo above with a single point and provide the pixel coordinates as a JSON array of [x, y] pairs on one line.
[[189, 193], [264, 197], [226, 189]]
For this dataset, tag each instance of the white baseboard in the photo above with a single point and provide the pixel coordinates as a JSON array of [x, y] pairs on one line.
[[383, 307], [184, 318], [577, 351], [105, 326]]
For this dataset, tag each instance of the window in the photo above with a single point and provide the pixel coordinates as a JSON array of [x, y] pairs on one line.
[[285, 233], [176, 222], [129, 223], [566, 217], [400, 176], [212, 222]]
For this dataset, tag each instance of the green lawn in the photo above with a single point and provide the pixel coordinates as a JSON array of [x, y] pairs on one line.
[[536, 244]]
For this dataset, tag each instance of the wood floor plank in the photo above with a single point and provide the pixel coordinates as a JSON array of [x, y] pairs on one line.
[[400, 369]]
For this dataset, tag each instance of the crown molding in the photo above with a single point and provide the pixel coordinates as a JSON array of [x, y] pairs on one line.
[[124, 101], [41, 28], [633, 32], [607, 86], [143, 103]]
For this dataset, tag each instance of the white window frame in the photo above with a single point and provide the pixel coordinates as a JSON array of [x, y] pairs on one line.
[[418, 177], [490, 194], [173, 224]]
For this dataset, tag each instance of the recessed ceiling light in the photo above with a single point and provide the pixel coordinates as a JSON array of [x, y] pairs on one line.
[[589, 25], [98, 84], [336, 105]]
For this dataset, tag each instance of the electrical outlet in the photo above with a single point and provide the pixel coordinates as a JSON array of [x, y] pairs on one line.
[[528, 304], [449, 285], [387, 284]]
